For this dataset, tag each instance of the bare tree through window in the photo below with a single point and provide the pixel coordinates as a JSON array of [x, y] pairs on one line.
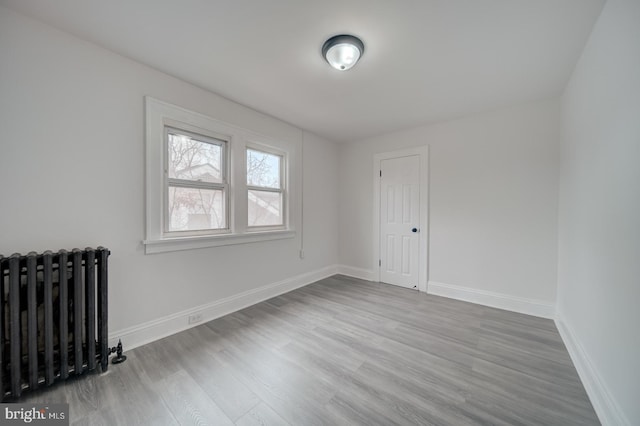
[[195, 169], [265, 195]]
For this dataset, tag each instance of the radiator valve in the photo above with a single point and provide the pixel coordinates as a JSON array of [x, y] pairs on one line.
[[120, 357]]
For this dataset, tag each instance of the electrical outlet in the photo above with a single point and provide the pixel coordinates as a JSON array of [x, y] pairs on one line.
[[195, 318]]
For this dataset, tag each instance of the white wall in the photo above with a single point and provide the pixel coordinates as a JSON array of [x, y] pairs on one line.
[[72, 171], [493, 200], [599, 226]]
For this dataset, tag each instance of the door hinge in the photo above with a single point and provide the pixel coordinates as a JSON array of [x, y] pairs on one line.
[[380, 173], [379, 262]]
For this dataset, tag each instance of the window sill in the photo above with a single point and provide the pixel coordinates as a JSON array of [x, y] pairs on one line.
[[189, 243]]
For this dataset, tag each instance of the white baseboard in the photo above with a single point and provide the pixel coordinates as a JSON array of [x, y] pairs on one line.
[[351, 271], [522, 305], [150, 331], [608, 411], [369, 275], [605, 406]]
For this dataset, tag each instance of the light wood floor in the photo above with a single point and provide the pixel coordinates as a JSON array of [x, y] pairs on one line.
[[340, 352]]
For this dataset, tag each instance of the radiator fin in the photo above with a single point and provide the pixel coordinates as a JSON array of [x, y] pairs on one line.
[[53, 317]]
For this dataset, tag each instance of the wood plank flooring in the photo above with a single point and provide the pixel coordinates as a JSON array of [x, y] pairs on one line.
[[342, 351]]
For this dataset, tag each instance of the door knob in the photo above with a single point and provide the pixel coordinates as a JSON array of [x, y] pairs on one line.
[[414, 230]]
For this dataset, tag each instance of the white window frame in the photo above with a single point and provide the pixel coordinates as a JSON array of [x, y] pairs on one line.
[[161, 115], [282, 190], [219, 140]]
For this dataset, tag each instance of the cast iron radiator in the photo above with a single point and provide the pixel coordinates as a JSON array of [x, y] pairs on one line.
[[52, 308]]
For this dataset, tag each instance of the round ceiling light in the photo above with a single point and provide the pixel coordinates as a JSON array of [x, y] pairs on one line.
[[343, 51]]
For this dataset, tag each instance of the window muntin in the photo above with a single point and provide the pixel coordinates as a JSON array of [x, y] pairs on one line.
[[265, 189], [196, 189]]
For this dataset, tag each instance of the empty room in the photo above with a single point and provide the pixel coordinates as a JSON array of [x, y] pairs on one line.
[[352, 212]]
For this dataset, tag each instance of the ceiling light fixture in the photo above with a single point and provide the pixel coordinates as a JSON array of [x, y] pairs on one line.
[[343, 51]]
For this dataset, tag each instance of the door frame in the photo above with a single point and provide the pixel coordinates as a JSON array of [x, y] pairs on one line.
[[423, 253]]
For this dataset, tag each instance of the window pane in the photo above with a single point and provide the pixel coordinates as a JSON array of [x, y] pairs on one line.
[[192, 209], [263, 169], [265, 208], [192, 159]]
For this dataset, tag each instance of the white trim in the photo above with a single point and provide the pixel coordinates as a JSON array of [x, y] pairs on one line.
[[538, 308], [160, 114], [150, 331], [363, 274], [189, 243], [608, 411], [423, 153]]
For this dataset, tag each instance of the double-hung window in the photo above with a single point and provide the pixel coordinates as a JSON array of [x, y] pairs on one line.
[[211, 183], [265, 189], [196, 190]]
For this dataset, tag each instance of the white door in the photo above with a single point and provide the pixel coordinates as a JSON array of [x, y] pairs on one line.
[[400, 221]]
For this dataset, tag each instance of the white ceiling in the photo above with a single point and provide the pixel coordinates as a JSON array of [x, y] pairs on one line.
[[424, 61]]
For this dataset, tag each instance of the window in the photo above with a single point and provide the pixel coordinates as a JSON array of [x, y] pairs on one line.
[[196, 183], [265, 192], [210, 183]]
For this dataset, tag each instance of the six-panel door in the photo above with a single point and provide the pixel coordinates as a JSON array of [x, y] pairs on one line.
[[400, 220]]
